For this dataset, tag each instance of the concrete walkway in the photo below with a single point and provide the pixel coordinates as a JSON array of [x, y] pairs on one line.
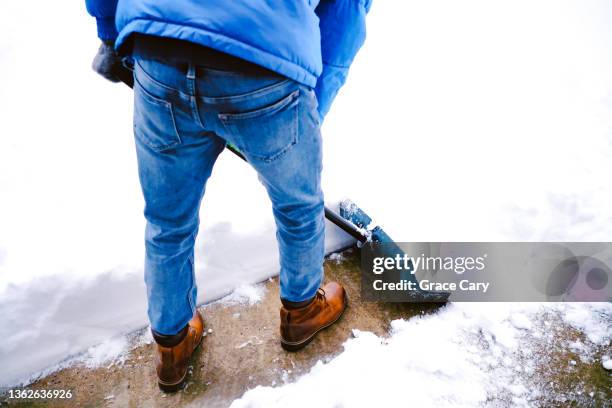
[[242, 351]]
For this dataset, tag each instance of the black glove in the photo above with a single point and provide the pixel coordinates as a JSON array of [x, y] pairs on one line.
[[107, 62]]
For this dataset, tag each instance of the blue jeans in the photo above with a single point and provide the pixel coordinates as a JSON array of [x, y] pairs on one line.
[[183, 117]]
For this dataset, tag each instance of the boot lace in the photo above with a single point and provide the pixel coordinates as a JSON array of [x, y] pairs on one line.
[[321, 295]]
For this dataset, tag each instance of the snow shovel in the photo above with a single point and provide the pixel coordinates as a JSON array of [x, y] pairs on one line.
[[352, 220]]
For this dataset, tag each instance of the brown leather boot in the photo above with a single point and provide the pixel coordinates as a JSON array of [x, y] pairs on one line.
[[299, 326], [172, 361]]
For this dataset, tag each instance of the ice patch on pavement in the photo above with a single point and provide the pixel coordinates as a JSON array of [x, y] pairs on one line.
[[110, 352], [253, 341], [245, 294], [115, 350]]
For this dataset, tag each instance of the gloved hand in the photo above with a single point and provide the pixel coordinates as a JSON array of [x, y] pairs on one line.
[[107, 62]]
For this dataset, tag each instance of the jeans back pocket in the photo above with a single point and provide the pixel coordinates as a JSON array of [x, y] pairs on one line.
[[267, 133], [154, 123]]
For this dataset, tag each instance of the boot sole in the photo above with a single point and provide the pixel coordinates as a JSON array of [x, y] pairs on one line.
[[174, 387], [298, 345]]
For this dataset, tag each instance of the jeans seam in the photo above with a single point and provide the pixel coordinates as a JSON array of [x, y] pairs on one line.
[[195, 112], [192, 302], [189, 297], [191, 84]]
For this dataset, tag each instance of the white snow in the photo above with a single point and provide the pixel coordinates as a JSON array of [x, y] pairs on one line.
[[521, 321], [479, 121], [460, 121], [606, 362], [594, 320], [337, 257]]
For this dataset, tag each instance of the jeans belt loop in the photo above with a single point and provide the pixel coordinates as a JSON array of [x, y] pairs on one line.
[[191, 74], [191, 70]]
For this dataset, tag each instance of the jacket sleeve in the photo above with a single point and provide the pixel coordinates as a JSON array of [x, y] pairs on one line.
[[104, 12], [343, 31]]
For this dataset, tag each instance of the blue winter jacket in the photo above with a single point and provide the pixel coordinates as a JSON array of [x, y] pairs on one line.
[[311, 41]]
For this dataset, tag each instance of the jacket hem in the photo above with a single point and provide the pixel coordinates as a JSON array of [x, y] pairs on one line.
[[221, 43]]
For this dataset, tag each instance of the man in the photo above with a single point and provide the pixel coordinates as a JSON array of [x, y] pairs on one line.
[[260, 75]]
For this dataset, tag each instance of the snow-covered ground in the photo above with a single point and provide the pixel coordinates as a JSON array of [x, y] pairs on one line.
[[474, 120], [462, 356]]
